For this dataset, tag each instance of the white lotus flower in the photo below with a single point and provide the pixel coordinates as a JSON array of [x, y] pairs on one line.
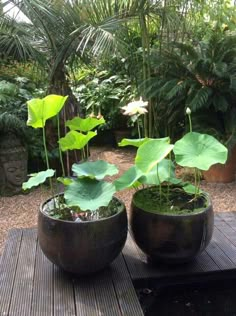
[[135, 108]]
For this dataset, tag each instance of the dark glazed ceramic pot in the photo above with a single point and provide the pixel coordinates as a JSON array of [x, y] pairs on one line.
[[82, 247], [171, 239]]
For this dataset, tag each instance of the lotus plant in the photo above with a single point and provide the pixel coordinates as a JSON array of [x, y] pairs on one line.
[[153, 165], [86, 190]]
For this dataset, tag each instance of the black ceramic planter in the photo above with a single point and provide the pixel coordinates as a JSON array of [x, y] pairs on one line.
[[82, 247], [170, 238]]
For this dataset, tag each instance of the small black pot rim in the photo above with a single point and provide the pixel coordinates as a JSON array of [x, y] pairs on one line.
[[204, 194], [81, 223]]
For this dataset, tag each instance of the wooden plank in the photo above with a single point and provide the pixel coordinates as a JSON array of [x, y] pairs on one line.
[[106, 300], [207, 263], [64, 303], [23, 285], [226, 221], [219, 257], [229, 235], [225, 245], [105, 294], [85, 298], [98, 294], [42, 300], [229, 218], [8, 269], [125, 291]]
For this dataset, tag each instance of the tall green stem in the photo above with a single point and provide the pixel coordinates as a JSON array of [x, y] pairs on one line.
[[195, 182], [45, 148], [196, 174], [46, 157], [60, 153], [160, 189], [87, 151], [190, 123], [139, 132]]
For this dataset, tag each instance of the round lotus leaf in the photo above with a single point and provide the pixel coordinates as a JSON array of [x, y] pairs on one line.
[[89, 194], [200, 151], [151, 153], [94, 169], [38, 178]]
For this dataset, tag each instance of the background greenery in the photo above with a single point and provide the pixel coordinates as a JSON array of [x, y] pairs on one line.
[[105, 53]]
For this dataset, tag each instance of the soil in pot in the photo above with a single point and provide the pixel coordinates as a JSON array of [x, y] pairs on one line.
[[73, 214], [174, 201]]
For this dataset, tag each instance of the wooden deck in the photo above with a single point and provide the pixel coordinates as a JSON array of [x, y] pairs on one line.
[[31, 285]]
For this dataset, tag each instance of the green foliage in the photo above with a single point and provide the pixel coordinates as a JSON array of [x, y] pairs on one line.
[[133, 142], [195, 150], [75, 140], [14, 93], [88, 191], [11, 69], [105, 94], [89, 194], [200, 151], [84, 125], [11, 124], [151, 153], [13, 96], [79, 140], [199, 76], [40, 110], [38, 178], [95, 169]]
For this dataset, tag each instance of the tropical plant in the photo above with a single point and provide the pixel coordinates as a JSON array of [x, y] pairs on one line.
[[97, 27], [193, 150], [201, 77], [105, 94], [14, 94], [45, 39], [10, 124], [87, 191], [129, 30]]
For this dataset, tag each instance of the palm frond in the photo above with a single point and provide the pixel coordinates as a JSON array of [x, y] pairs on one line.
[[200, 99]]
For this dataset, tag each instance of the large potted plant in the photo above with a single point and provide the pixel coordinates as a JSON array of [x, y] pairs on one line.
[[84, 228], [171, 220]]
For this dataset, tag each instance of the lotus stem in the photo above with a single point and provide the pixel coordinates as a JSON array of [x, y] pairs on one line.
[[87, 151], [139, 132], [60, 152], [160, 190], [46, 157], [188, 111], [196, 182]]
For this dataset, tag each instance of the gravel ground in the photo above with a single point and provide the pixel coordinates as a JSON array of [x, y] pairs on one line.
[[21, 210]]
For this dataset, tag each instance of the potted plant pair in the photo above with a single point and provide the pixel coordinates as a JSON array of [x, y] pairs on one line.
[[171, 220], [83, 228]]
